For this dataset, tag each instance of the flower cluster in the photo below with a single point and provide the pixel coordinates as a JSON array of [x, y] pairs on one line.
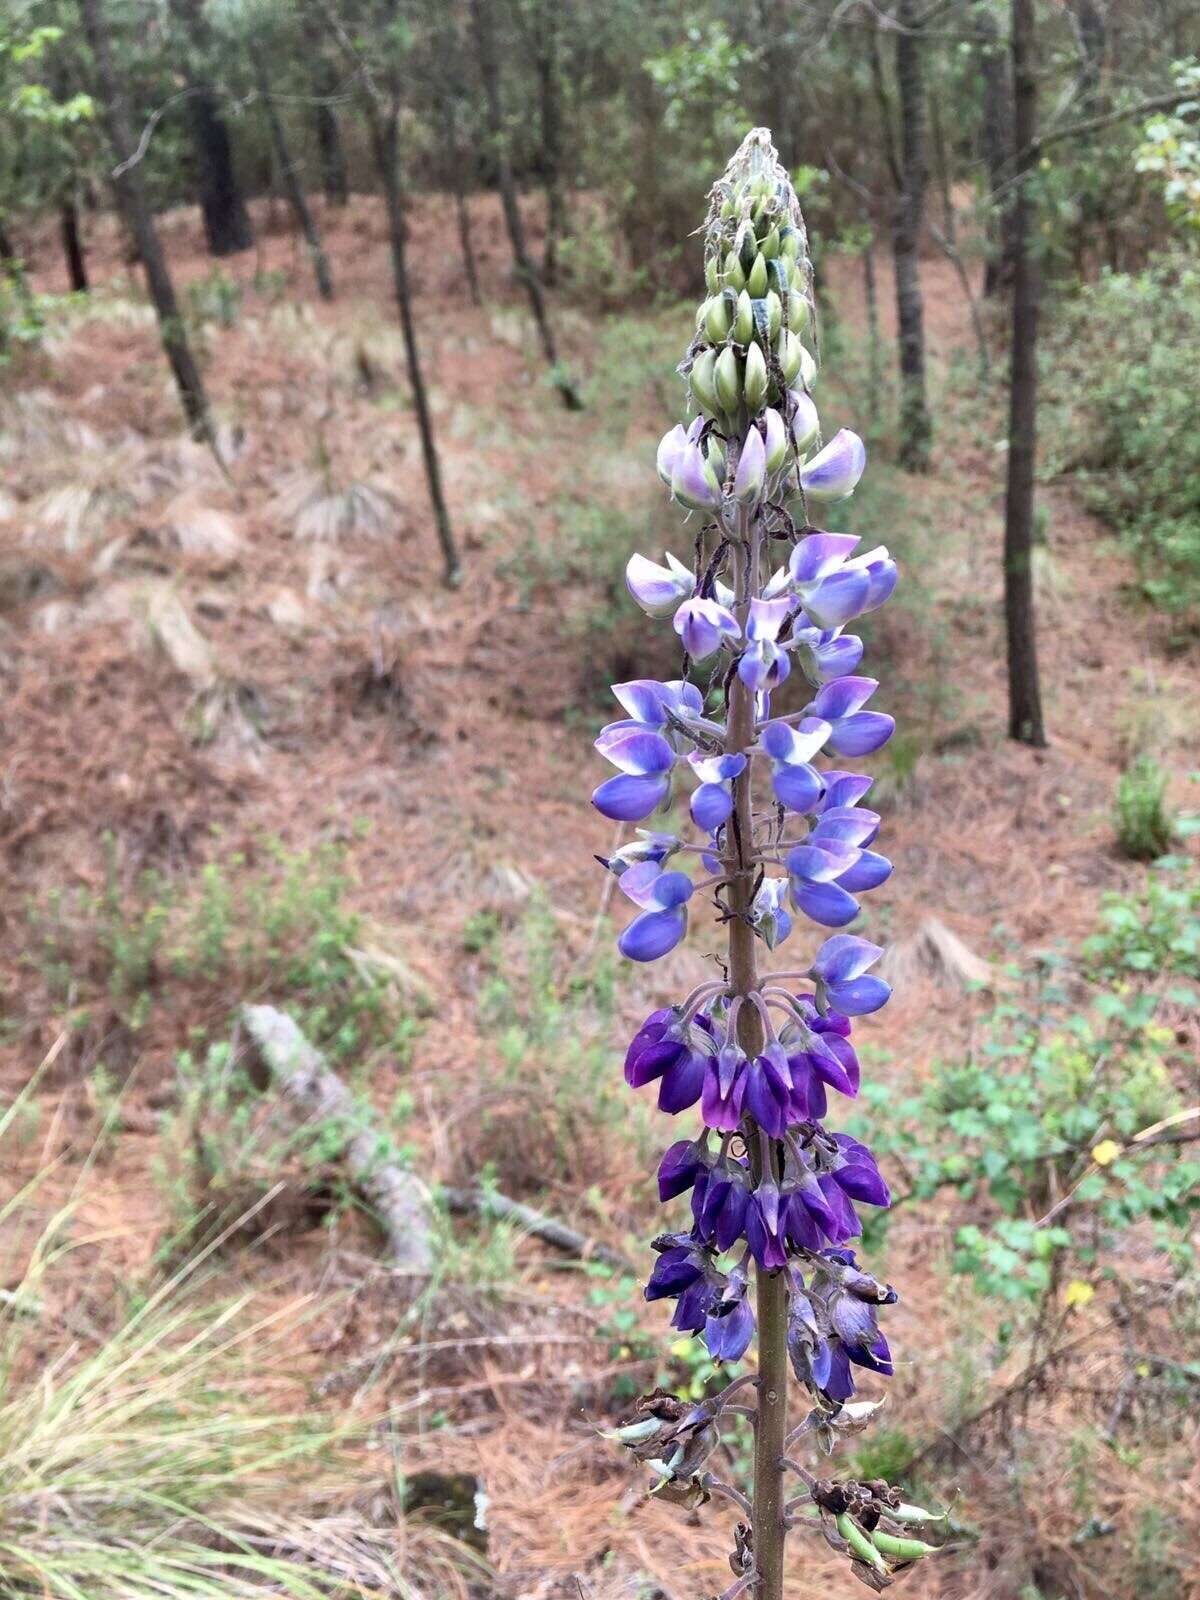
[[775, 823], [750, 461]]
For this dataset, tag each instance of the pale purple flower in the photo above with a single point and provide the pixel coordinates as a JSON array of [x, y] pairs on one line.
[[658, 590], [833, 473], [712, 800], [704, 625], [796, 782]]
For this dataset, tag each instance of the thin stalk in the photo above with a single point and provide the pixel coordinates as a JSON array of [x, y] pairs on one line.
[[771, 1290]]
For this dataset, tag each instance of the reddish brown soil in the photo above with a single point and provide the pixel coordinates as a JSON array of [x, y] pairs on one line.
[[472, 796]]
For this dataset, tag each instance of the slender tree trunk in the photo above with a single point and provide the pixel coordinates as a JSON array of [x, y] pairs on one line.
[[997, 150], [546, 63], [871, 296], [455, 163], [226, 220], [915, 426], [135, 207], [328, 131], [384, 139], [72, 243], [947, 239], [489, 69], [293, 188], [1024, 689]]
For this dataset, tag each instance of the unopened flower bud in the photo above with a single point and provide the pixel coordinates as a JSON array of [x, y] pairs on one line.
[[805, 422], [757, 280], [775, 439], [755, 380], [774, 314], [716, 319], [743, 319], [693, 482], [728, 381], [701, 379], [658, 590], [790, 353], [751, 467], [797, 311], [712, 275], [770, 245], [734, 276]]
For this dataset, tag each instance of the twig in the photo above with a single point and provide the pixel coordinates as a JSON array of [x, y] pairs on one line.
[[501, 1209]]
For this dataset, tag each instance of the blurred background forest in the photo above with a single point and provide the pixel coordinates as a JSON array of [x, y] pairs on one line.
[[336, 338]]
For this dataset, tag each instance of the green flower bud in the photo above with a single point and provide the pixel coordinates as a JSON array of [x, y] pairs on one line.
[[859, 1544], [715, 457], [797, 311], [907, 1513], [774, 314], [743, 319], [757, 281], [728, 380], [770, 245], [901, 1549], [789, 243], [790, 353], [808, 368], [747, 248], [701, 379], [756, 377], [734, 276], [712, 274], [716, 319]]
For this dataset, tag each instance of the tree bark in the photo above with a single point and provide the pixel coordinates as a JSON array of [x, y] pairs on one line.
[[546, 64], [489, 69], [328, 132], [384, 141], [455, 164], [72, 243], [997, 150], [915, 426], [135, 207], [1024, 689], [222, 207], [289, 176]]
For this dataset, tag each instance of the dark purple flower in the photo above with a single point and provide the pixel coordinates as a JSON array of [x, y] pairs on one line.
[[724, 1089], [765, 1221], [720, 1209], [684, 1166], [729, 1326]]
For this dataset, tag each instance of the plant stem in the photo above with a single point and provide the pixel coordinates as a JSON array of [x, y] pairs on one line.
[[769, 1528]]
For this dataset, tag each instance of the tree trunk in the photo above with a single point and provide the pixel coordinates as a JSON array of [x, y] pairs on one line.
[[915, 427], [384, 145], [226, 220], [455, 164], [329, 136], [72, 243], [135, 207], [289, 176], [489, 69], [1024, 690], [550, 102], [997, 150]]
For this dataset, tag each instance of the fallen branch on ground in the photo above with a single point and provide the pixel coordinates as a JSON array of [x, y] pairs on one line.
[[400, 1202]]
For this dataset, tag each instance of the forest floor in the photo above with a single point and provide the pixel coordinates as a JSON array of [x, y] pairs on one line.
[[224, 695]]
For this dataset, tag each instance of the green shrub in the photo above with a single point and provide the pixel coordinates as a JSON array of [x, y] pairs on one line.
[[1123, 371], [1144, 823]]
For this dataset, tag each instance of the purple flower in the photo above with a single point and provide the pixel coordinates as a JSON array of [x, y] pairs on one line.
[[796, 782], [831, 863], [675, 1056], [768, 915], [704, 625], [833, 473], [648, 846], [729, 1326], [712, 801], [684, 1272], [645, 760], [764, 1232], [854, 732], [672, 445], [724, 1089], [663, 922], [694, 480], [835, 586], [775, 439], [751, 468], [684, 1165], [719, 1210], [762, 664], [839, 971], [658, 590], [649, 702]]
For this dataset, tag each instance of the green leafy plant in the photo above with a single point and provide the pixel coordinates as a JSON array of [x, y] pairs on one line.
[[1144, 823]]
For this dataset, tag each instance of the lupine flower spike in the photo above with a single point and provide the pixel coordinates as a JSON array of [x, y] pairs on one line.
[[751, 1061]]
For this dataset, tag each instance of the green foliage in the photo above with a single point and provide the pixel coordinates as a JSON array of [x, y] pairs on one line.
[[215, 298], [1036, 1129], [1170, 150], [280, 927], [1144, 824], [1123, 376]]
